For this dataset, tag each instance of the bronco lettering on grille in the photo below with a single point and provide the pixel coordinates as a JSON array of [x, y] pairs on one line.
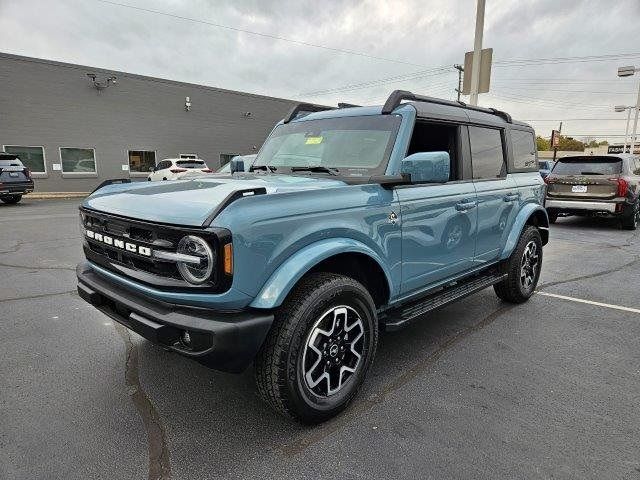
[[121, 244]]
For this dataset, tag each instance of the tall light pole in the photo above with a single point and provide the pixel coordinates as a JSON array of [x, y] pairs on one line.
[[477, 51], [628, 72], [622, 108]]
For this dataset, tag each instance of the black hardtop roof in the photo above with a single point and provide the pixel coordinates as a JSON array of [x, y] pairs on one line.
[[431, 107], [426, 107]]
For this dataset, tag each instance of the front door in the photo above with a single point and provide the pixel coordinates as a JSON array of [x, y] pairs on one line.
[[438, 232], [497, 193]]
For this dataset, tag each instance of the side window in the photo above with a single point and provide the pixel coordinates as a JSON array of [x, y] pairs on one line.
[[636, 170], [487, 153], [431, 137], [524, 150]]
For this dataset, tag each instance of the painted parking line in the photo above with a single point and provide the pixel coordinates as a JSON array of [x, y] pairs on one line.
[[589, 302]]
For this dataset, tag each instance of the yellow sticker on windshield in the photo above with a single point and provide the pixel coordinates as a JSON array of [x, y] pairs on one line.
[[313, 140]]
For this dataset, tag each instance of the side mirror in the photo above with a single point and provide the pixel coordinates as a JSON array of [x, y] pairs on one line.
[[236, 165], [427, 167], [152, 169]]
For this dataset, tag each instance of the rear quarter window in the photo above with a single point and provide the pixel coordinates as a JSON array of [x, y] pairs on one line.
[[523, 148]]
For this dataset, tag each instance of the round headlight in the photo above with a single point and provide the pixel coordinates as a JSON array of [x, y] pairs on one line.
[[194, 272]]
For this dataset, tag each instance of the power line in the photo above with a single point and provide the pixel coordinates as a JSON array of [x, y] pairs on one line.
[[262, 34], [565, 91], [382, 81], [573, 119], [556, 60]]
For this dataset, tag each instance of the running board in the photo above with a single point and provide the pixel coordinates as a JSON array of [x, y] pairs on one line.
[[398, 318]]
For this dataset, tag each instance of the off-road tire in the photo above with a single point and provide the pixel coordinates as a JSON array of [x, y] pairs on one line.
[[279, 370], [512, 289], [11, 199], [631, 219]]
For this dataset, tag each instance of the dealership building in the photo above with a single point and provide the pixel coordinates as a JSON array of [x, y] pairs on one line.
[[75, 126]]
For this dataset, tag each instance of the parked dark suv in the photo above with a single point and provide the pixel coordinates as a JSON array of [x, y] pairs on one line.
[[602, 185], [15, 178]]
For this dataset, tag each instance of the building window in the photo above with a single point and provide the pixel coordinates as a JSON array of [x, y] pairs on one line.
[[190, 156], [78, 160], [226, 158], [141, 160], [31, 157], [487, 154]]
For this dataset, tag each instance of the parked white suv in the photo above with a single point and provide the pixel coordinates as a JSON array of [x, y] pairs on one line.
[[176, 168]]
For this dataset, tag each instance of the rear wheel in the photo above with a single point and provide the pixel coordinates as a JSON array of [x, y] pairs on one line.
[[522, 268], [10, 199], [632, 218], [319, 349]]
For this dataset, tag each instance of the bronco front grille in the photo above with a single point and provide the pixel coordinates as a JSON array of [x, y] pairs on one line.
[[133, 245]]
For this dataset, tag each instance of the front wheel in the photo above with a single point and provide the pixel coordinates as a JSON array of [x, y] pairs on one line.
[[522, 268], [319, 349]]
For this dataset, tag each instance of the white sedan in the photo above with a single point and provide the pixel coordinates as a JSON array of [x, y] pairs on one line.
[[176, 168]]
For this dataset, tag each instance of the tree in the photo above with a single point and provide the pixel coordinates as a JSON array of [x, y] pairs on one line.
[[542, 143], [570, 144]]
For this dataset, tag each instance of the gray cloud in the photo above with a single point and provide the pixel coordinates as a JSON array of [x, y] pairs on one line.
[[428, 33]]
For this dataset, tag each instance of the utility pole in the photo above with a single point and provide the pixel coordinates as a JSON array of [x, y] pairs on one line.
[[460, 69], [555, 149], [635, 122], [477, 49], [626, 132]]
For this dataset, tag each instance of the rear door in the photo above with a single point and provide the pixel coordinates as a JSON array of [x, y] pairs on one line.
[[496, 192], [585, 178]]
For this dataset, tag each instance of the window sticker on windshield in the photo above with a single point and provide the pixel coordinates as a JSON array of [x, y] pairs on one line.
[[313, 140]]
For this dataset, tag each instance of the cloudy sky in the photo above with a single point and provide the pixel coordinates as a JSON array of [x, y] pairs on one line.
[[355, 51]]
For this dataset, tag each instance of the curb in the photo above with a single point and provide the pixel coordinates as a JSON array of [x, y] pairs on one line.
[[56, 195]]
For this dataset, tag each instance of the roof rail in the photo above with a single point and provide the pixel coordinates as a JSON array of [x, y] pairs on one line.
[[397, 96], [304, 109], [347, 105]]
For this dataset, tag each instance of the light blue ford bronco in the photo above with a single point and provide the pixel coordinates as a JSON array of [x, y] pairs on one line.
[[350, 221]]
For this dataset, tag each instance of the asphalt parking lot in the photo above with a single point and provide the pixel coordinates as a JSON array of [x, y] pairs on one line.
[[479, 389]]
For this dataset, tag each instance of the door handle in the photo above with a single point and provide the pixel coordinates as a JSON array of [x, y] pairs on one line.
[[464, 206], [511, 197]]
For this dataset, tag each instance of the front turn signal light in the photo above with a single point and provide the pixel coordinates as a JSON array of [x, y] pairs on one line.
[[228, 258]]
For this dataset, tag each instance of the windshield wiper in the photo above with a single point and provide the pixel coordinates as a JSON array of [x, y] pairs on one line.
[[316, 168], [591, 173], [267, 168]]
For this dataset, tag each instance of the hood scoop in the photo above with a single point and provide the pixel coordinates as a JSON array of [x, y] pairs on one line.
[[238, 194]]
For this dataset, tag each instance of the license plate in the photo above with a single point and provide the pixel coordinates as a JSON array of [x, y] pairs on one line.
[[579, 189], [13, 174]]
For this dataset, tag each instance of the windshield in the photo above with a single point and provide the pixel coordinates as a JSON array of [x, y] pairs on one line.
[[190, 164], [595, 166], [352, 146]]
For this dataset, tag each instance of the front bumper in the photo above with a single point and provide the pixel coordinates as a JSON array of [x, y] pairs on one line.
[[16, 188], [224, 341], [583, 205]]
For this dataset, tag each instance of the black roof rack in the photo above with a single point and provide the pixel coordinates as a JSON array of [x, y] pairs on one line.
[[304, 109], [347, 105], [397, 96]]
